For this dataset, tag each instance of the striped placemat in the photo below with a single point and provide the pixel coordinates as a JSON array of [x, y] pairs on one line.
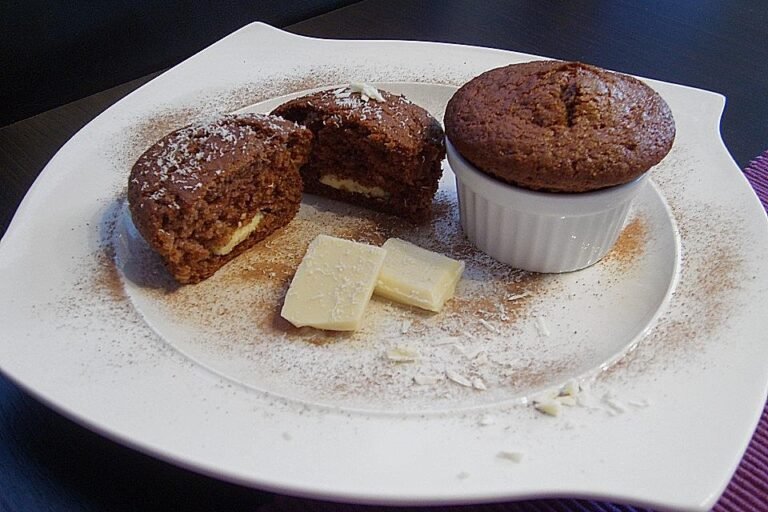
[[757, 174], [747, 491]]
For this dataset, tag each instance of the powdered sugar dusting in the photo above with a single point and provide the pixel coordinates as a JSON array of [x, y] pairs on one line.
[[486, 333], [179, 161], [203, 104], [712, 271], [237, 313], [402, 355]]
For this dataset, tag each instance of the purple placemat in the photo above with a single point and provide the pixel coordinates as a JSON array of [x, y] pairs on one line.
[[747, 491], [757, 174]]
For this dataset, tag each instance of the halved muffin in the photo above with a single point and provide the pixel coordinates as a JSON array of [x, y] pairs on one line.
[[205, 193], [371, 148]]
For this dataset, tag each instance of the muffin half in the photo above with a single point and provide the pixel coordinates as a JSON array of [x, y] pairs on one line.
[[376, 150], [205, 193]]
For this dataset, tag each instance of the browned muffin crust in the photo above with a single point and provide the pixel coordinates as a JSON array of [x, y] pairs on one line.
[[191, 191], [559, 126], [393, 148]]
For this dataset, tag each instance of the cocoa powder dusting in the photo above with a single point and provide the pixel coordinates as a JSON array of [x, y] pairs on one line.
[[711, 271], [239, 307], [107, 279], [483, 333], [630, 244], [236, 313]]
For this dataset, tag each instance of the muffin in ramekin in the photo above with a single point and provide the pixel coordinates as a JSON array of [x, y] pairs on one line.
[[548, 156]]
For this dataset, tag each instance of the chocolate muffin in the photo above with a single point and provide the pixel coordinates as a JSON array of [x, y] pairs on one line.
[[205, 193], [371, 148], [559, 126]]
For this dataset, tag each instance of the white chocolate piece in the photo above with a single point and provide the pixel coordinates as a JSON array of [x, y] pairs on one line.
[[367, 91], [349, 185], [417, 277], [333, 284], [240, 234], [549, 407], [571, 388]]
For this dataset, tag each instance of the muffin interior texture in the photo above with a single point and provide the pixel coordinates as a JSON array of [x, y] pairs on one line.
[[385, 155], [205, 193]]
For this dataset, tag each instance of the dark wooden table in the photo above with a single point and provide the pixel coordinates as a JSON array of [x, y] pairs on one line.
[[49, 463]]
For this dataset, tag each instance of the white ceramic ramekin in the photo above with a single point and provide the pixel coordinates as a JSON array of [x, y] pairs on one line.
[[539, 231]]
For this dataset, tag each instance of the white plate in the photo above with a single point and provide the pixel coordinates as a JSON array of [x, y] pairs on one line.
[[668, 331]]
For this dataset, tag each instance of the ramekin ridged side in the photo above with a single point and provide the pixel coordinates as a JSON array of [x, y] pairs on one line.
[[539, 231]]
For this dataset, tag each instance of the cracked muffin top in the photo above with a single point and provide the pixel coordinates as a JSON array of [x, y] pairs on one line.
[[559, 126]]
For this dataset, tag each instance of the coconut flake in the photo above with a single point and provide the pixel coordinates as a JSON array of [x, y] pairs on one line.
[[367, 91], [488, 325], [615, 405], [469, 352], [458, 378], [401, 354], [478, 384], [550, 407], [640, 404], [570, 388], [541, 326]]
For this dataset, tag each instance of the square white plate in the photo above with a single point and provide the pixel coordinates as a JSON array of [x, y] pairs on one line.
[[667, 333]]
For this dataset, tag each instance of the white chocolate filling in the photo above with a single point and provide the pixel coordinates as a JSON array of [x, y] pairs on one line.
[[349, 185], [237, 237]]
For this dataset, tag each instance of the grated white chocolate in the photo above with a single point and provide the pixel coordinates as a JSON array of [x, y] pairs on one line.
[[402, 354], [366, 91]]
